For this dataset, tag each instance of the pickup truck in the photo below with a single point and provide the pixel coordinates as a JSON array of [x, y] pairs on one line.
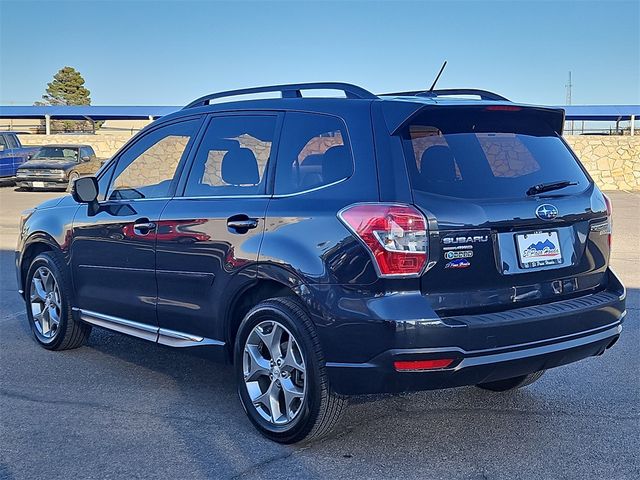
[[57, 166], [12, 154]]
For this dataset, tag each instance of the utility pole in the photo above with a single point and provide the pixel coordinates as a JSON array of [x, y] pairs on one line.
[[568, 101]]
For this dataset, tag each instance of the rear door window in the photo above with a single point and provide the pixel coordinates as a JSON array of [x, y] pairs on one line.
[[314, 152], [233, 157], [487, 154]]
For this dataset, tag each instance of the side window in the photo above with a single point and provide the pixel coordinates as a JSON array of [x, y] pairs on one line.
[[3, 142], [86, 152], [146, 169], [233, 156], [11, 141], [314, 151]]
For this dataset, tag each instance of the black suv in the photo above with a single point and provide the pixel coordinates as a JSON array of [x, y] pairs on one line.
[[336, 246]]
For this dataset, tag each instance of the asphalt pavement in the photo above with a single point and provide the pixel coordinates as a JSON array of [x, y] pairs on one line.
[[125, 408]]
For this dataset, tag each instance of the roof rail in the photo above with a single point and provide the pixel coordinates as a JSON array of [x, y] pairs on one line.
[[293, 90], [483, 94]]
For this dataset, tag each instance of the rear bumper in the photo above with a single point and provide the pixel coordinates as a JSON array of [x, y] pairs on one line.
[[469, 368], [489, 347]]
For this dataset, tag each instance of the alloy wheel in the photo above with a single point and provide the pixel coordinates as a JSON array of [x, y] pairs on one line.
[[46, 303], [274, 372]]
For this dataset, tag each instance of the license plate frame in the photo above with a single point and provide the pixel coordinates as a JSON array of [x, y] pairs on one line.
[[538, 249], [37, 184]]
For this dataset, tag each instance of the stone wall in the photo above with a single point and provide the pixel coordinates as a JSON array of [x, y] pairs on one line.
[[157, 164], [612, 161], [105, 145]]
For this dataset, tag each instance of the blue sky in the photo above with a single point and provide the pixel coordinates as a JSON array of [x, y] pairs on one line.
[[167, 53]]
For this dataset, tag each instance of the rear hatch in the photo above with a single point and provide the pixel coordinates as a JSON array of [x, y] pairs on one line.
[[499, 238]]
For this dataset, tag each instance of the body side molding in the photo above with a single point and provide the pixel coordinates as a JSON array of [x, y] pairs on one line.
[[151, 333]]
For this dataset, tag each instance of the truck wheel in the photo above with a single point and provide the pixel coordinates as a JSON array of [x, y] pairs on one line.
[[281, 374], [511, 383], [47, 294], [73, 176]]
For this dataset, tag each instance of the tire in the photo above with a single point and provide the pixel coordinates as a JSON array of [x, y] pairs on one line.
[[511, 383], [68, 332], [73, 176], [316, 410]]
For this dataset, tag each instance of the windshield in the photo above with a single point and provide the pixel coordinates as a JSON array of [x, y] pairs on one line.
[[57, 153], [487, 154]]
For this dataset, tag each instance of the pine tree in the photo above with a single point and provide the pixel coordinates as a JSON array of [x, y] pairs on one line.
[[67, 88]]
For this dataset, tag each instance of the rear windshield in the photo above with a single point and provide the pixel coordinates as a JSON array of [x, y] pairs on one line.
[[487, 154]]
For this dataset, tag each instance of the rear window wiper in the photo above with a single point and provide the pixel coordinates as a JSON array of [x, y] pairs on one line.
[[547, 187]]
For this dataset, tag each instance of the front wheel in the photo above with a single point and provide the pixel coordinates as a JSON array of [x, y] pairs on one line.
[[281, 375], [47, 294], [511, 383], [73, 176]]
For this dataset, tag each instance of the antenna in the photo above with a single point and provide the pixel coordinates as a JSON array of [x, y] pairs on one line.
[[569, 86], [438, 76]]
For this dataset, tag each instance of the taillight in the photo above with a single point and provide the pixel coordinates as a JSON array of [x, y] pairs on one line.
[[396, 236], [607, 202]]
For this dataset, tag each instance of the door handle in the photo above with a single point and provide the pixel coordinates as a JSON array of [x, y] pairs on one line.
[[143, 227], [242, 224]]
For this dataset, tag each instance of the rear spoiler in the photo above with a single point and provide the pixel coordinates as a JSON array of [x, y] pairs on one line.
[[398, 114]]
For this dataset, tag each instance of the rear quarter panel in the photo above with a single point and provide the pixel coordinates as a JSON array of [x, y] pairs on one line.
[[303, 234]]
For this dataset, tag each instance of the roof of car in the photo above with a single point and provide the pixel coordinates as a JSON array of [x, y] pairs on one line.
[[66, 145], [398, 107]]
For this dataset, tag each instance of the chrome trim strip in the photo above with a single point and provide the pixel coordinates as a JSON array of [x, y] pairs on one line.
[[215, 197], [124, 200], [186, 273], [128, 327], [222, 197], [163, 336], [315, 189], [180, 339]]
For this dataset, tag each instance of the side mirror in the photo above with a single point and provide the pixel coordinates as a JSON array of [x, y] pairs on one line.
[[85, 190], [29, 157], [86, 159]]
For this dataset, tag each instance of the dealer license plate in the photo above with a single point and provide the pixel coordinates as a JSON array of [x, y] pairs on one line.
[[538, 249]]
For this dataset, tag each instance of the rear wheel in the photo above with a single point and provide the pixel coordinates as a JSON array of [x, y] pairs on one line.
[[511, 383], [282, 380], [47, 295]]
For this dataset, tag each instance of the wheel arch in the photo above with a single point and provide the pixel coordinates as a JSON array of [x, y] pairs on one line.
[[271, 282], [36, 244]]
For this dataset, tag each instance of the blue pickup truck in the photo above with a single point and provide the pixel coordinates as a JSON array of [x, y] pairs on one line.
[[12, 154]]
